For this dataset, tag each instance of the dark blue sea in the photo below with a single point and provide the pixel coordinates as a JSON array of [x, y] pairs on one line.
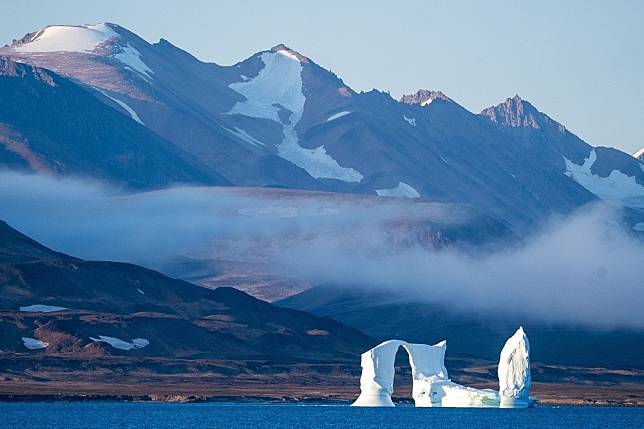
[[108, 415]]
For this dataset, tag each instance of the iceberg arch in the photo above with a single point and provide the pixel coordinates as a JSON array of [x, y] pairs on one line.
[[431, 384], [377, 379]]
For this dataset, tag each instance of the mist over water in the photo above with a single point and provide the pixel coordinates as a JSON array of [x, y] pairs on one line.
[[582, 269]]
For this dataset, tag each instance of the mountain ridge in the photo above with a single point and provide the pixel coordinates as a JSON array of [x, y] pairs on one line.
[[278, 119]]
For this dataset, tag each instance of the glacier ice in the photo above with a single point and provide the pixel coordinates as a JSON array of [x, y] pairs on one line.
[[431, 385]]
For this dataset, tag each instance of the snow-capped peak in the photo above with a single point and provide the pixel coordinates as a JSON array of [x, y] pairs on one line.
[[105, 39], [67, 38], [423, 97]]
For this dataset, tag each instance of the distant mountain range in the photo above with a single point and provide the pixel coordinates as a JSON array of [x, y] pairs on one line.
[[278, 119]]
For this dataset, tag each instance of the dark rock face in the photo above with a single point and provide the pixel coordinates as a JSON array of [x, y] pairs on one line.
[[517, 113], [546, 138]]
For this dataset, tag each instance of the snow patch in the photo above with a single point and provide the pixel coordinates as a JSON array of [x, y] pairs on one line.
[[139, 343], [316, 161], [33, 344], [617, 187], [288, 54], [244, 136], [279, 82], [68, 38], [410, 121], [41, 308], [126, 107], [136, 343], [403, 190], [639, 154], [337, 115], [131, 57], [279, 85]]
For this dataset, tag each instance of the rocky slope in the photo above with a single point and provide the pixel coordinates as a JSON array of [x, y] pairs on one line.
[[49, 124], [57, 305]]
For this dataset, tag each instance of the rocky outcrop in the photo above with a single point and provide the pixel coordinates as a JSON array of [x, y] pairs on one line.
[[423, 97]]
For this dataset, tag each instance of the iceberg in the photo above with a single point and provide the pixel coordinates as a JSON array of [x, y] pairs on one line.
[[431, 385], [514, 371]]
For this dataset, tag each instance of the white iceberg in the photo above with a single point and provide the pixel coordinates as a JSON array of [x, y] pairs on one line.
[[431, 384], [514, 371]]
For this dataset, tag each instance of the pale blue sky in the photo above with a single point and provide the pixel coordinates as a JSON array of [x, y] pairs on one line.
[[582, 62]]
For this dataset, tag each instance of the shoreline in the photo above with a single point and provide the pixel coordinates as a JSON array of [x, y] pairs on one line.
[[265, 399], [13, 399]]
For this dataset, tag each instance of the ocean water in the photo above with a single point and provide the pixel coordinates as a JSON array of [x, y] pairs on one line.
[[108, 415]]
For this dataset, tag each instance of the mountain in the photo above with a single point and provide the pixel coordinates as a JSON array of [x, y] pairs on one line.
[[49, 124], [58, 305], [385, 315], [169, 91], [278, 119], [608, 173]]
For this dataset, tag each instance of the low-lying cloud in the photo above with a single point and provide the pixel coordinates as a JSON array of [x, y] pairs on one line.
[[583, 269]]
